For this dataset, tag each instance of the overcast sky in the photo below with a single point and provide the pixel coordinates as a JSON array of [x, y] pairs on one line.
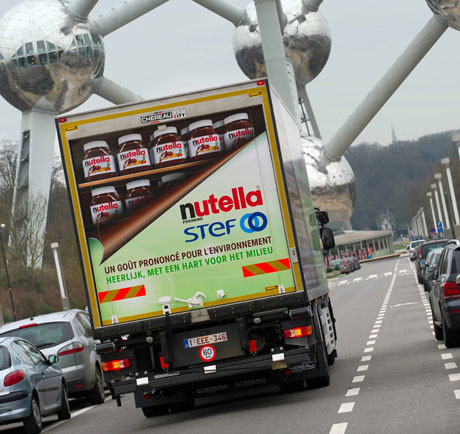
[[182, 47]]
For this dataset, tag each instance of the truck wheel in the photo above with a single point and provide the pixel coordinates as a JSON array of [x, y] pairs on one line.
[[450, 337], [97, 395], [154, 411], [293, 386], [33, 422]]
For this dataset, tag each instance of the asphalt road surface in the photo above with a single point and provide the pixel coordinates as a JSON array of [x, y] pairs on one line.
[[391, 376]]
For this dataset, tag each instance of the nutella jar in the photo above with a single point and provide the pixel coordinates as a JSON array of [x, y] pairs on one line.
[[167, 148], [98, 162], [171, 180], [239, 131], [185, 137], [133, 156], [138, 193], [219, 126], [105, 205], [203, 140]]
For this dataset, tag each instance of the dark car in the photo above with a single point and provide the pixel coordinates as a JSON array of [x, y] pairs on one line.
[[430, 266], [422, 252], [30, 385], [445, 296]]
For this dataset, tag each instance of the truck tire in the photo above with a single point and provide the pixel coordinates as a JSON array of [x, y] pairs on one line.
[[321, 360], [154, 411], [96, 394], [33, 422]]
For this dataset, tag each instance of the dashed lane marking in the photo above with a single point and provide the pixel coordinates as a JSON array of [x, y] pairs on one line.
[[355, 391], [346, 407], [369, 350], [357, 279], [457, 393], [362, 368], [441, 347], [446, 356], [373, 276], [370, 342], [358, 379], [338, 428], [366, 358], [454, 377], [388, 273], [450, 365]]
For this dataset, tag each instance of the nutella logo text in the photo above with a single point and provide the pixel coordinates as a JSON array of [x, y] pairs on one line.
[[169, 147], [97, 160], [132, 154], [241, 133], [238, 199]]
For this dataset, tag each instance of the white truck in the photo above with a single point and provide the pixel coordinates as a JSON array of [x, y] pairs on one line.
[[216, 281]]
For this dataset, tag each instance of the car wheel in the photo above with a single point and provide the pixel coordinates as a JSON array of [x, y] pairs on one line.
[[33, 422], [450, 337], [153, 411], [64, 412], [97, 395], [438, 333]]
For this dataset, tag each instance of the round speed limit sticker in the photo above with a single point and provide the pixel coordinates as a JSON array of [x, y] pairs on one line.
[[207, 353]]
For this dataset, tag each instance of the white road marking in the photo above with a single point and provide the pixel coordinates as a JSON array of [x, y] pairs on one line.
[[338, 428], [346, 407], [372, 276], [358, 379], [441, 347], [362, 368], [388, 273], [373, 336], [355, 391], [405, 304], [403, 271], [457, 393], [369, 349], [450, 365], [454, 377], [370, 343], [366, 358], [357, 279], [375, 331], [343, 282], [378, 321]]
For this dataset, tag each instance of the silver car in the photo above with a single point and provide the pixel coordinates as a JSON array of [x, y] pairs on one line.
[[30, 385], [67, 334]]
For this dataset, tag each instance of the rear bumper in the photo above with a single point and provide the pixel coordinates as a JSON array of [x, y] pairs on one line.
[[14, 406], [298, 361]]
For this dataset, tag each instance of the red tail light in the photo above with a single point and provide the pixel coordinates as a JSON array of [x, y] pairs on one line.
[[298, 332], [76, 347], [450, 290], [115, 365], [14, 378]]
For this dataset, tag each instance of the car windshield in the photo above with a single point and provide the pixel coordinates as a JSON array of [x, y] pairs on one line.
[[44, 335], [5, 361], [336, 262], [431, 246], [414, 244]]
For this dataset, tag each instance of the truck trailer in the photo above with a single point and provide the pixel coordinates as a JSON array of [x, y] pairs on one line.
[[214, 280]]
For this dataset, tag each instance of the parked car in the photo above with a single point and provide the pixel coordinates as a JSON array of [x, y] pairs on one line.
[[422, 252], [356, 262], [445, 296], [431, 264], [67, 334], [342, 265], [31, 386], [413, 248]]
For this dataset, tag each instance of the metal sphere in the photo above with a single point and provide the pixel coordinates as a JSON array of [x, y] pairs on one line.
[[48, 60], [306, 38], [449, 9], [333, 189]]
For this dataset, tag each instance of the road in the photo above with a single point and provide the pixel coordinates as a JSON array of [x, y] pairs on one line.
[[391, 376]]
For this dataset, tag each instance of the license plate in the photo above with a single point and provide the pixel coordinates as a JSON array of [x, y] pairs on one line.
[[199, 341]]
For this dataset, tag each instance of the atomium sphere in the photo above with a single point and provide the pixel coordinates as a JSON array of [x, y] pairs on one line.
[[48, 61], [334, 188], [447, 8], [306, 38]]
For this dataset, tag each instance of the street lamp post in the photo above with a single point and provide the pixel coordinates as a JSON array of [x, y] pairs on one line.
[[438, 206], [443, 200], [430, 196], [2, 228], [453, 200], [422, 216], [57, 261]]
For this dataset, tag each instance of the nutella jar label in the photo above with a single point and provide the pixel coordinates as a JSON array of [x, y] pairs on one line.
[[169, 151], [133, 159], [98, 165], [135, 202], [106, 211], [204, 145], [235, 138]]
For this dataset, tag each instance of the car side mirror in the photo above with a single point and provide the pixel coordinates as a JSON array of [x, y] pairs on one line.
[[53, 359], [327, 237], [457, 280]]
